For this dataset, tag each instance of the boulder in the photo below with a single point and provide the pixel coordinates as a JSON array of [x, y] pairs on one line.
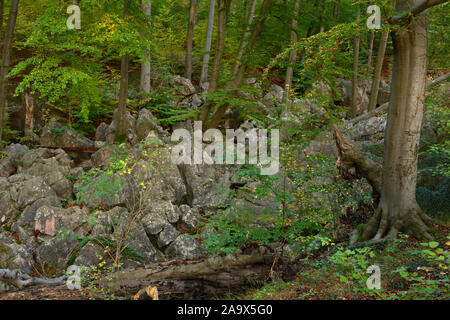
[[185, 248], [100, 133], [15, 256], [167, 236], [58, 135], [54, 254], [6, 168]]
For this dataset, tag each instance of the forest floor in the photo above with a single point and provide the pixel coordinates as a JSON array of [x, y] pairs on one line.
[[408, 271]]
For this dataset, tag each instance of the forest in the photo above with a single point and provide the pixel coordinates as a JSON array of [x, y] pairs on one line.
[[224, 150]]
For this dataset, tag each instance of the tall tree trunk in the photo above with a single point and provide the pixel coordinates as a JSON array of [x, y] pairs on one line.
[[190, 37], [222, 17], [2, 11], [336, 9], [369, 64], [377, 71], [292, 59], [244, 39], [355, 71], [398, 210], [218, 115], [209, 31], [123, 93], [6, 57], [146, 66]]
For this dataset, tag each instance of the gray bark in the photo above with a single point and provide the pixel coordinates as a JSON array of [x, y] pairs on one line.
[[21, 281], [6, 57], [189, 38], [377, 71], [209, 31], [123, 93], [292, 58], [355, 71], [244, 39], [146, 67]]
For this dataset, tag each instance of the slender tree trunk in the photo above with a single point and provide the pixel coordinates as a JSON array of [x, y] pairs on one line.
[[218, 115], [336, 9], [369, 64], [377, 71], [292, 59], [190, 37], [398, 210], [209, 31], [6, 57], [146, 66], [355, 71], [123, 94], [29, 114], [244, 39], [2, 11], [222, 16]]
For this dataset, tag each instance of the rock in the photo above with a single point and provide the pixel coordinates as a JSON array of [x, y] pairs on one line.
[[384, 96], [145, 123], [57, 135], [370, 129], [130, 125], [8, 212], [27, 218], [190, 217], [154, 221], [167, 236], [184, 247], [54, 254], [15, 256], [6, 168], [139, 242], [195, 102], [102, 157], [15, 150], [89, 255], [52, 221], [185, 86], [34, 189], [100, 133], [208, 185], [428, 135]]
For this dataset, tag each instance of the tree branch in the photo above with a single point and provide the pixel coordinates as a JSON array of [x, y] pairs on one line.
[[416, 10], [21, 281]]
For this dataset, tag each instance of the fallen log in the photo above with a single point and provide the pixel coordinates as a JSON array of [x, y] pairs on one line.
[[21, 281], [72, 148], [212, 277]]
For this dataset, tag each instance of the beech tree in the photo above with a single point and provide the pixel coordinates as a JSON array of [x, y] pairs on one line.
[[123, 93], [209, 31], [398, 210], [189, 39], [146, 64], [6, 57]]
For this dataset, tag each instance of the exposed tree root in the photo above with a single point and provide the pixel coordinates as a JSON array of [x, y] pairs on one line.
[[387, 222]]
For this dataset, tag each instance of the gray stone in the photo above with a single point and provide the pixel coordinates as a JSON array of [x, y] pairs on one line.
[[57, 135], [27, 217], [190, 217], [168, 235], [14, 256], [32, 190], [184, 247], [6, 168], [54, 254], [100, 133]]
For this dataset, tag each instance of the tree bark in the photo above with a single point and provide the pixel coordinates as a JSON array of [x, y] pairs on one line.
[[29, 112], [214, 276], [222, 17], [146, 66], [398, 210], [244, 39], [190, 37], [355, 110], [6, 57], [292, 59], [2, 11], [20, 281], [369, 63], [123, 93], [209, 31], [377, 71]]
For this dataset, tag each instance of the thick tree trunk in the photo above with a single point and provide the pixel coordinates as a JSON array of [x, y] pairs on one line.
[[146, 64], [123, 93], [244, 39], [292, 59], [369, 63], [209, 31], [190, 37], [398, 210], [2, 11], [355, 102], [6, 57], [377, 71], [20, 281]]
